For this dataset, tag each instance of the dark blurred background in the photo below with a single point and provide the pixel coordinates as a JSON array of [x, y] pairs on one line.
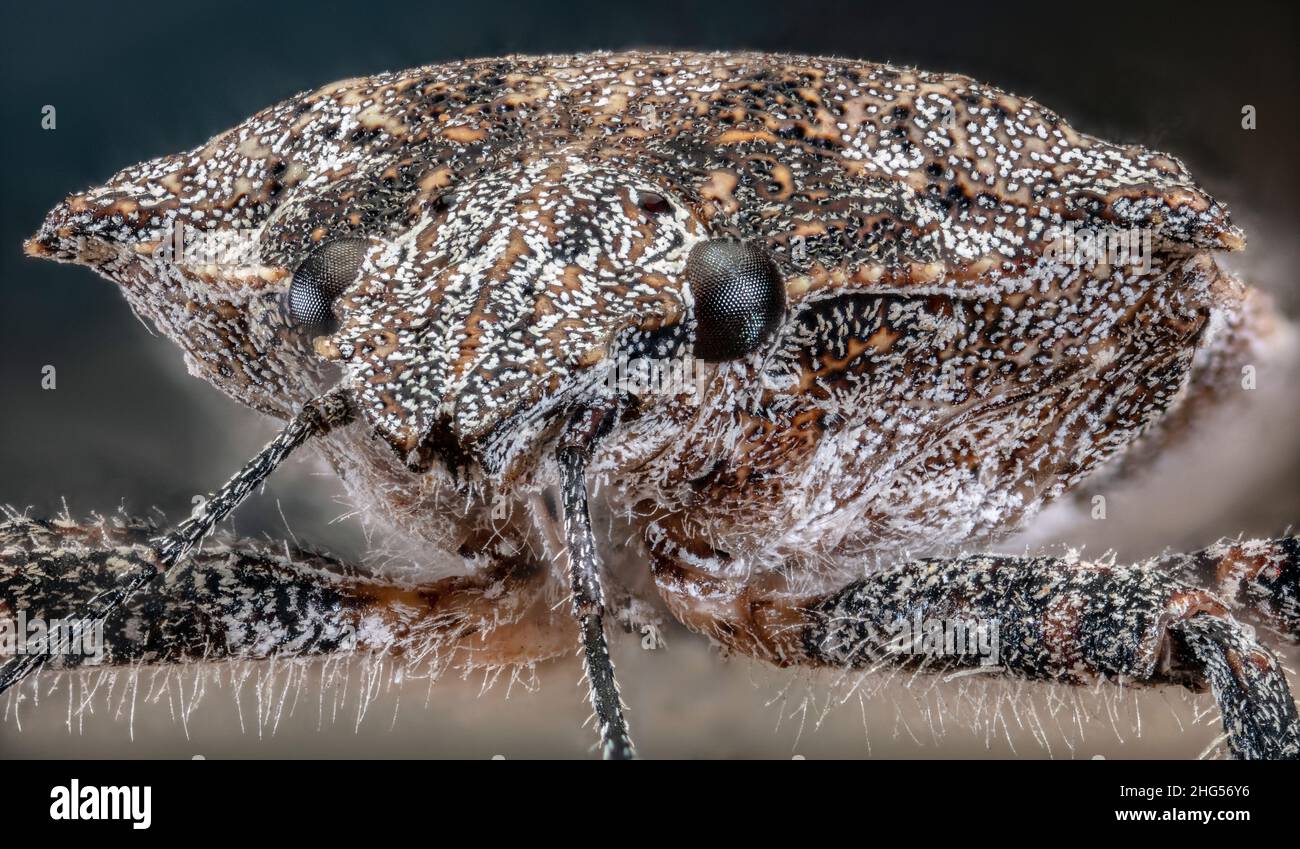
[[127, 425]]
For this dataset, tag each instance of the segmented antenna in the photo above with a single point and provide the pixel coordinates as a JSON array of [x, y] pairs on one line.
[[584, 573]]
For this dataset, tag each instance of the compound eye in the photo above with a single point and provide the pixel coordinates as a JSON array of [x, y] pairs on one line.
[[739, 298], [328, 270]]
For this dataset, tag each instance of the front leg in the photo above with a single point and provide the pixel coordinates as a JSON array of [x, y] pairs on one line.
[[244, 600], [1054, 619], [1075, 623]]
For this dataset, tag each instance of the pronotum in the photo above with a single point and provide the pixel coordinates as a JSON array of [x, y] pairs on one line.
[[821, 330]]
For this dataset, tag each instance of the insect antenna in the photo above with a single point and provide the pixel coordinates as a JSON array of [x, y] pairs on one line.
[[584, 572], [317, 416]]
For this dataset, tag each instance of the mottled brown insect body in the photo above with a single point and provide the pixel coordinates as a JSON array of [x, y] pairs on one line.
[[937, 360]]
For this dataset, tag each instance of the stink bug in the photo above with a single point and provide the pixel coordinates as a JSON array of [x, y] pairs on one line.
[[872, 276]]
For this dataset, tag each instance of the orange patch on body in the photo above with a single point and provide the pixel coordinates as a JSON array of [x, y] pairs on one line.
[[720, 189], [464, 135], [741, 136]]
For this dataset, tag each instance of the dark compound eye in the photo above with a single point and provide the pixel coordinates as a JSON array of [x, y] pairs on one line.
[[739, 298], [322, 277]]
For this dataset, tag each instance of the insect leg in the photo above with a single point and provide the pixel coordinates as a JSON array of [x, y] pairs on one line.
[[1071, 622], [588, 595], [1261, 577], [1053, 619], [316, 417], [242, 600]]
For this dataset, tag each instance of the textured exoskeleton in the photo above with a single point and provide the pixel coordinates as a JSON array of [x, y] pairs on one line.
[[868, 284]]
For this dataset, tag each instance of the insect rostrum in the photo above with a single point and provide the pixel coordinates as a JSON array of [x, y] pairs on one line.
[[899, 361]]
